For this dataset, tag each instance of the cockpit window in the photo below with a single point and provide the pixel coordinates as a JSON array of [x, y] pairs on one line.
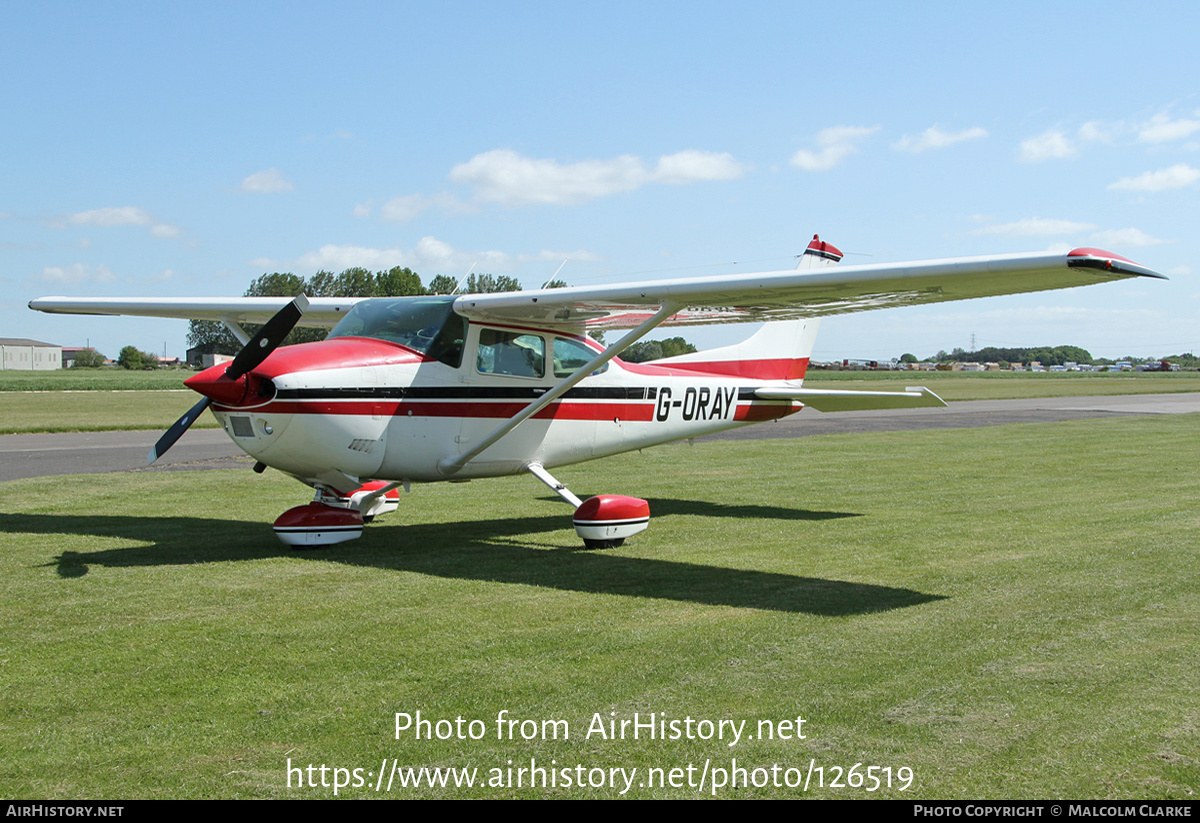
[[511, 353], [570, 355], [427, 325]]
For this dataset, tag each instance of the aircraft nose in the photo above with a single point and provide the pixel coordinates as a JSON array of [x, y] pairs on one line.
[[248, 390]]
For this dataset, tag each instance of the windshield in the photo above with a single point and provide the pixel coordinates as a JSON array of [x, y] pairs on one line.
[[424, 324]]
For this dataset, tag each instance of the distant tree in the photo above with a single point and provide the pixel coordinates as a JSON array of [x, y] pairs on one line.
[[398, 281], [908, 358], [675, 346], [442, 284], [213, 338], [88, 359], [276, 284], [488, 283], [644, 351], [133, 358], [1046, 355], [557, 284]]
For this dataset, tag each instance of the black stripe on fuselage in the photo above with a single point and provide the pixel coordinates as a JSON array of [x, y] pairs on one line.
[[463, 393]]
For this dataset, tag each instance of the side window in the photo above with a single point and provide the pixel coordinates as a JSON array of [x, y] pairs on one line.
[[503, 352], [570, 354]]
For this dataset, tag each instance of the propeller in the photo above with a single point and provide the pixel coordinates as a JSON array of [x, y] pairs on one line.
[[252, 354]]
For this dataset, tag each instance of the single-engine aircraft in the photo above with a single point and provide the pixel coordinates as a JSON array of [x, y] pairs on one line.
[[451, 388]]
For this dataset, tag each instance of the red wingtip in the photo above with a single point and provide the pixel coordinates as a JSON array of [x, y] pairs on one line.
[[1090, 252]]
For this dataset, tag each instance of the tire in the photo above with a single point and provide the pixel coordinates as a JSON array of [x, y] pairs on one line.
[[603, 544]]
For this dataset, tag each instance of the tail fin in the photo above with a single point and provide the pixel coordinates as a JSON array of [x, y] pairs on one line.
[[818, 254], [777, 351]]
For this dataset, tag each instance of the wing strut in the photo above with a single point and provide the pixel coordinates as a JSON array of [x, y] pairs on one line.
[[451, 464]]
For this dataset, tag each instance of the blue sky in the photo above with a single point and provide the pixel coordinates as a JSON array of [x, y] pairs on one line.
[[184, 149]]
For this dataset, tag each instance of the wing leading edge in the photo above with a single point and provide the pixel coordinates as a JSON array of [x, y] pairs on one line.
[[738, 298], [322, 311], [791, 294]]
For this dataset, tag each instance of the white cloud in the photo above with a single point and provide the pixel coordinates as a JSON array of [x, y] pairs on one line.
[[77, 273], [503, 176], [548, 255], [403, 209], [1124, 238], [363, 209], [1037, 227], [266, 182], [431, 256], [1175, 177], [836, 143], [1050, 145], [1097, 131], [1160, 128], [935, 138], [692, 166], [111, 216]]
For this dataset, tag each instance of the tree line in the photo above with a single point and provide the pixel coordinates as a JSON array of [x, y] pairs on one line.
[[211, 337], [1046, 355]]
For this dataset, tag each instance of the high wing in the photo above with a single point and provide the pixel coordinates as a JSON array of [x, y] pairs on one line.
[[792, 294], [322, 311], [737, 298]]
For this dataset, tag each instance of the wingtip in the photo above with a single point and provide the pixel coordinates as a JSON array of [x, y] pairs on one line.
[[1091, 258]]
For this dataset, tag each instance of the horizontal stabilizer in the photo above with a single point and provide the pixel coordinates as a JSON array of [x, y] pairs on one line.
[[834, 400]]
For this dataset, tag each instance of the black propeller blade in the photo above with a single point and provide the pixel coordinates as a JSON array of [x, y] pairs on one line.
[[176, 431], [257, 350], [268, 337]]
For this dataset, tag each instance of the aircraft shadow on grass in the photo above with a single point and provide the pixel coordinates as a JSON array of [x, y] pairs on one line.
[[500, 550]]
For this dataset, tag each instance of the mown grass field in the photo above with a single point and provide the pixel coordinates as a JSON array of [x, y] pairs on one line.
[[1010, 614], [112, 399]]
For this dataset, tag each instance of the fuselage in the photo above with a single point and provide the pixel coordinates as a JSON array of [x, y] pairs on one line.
[[353, 408]]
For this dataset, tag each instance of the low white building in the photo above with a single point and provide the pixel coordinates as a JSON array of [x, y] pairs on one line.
[[21, 354]]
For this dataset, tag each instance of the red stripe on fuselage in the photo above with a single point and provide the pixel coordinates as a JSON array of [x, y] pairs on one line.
[[756, 413], [778, 369]]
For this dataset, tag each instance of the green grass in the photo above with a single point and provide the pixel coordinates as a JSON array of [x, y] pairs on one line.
[[106, 379], [1010, 613], [63, 411]]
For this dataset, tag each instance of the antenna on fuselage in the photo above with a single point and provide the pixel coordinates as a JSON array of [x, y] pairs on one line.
[[464, 278]]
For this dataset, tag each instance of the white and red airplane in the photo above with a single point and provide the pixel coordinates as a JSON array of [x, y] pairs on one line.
[[444, 388]]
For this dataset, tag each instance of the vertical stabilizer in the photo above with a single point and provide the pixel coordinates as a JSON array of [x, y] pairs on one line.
[[819, 254]]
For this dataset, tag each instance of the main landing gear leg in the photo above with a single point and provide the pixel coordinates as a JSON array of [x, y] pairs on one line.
[[603, 521]]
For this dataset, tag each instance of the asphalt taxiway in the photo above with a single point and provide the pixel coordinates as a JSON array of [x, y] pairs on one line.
[[46, 455]]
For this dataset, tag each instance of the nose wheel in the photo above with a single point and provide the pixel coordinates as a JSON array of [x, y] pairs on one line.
[[332, 519]]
